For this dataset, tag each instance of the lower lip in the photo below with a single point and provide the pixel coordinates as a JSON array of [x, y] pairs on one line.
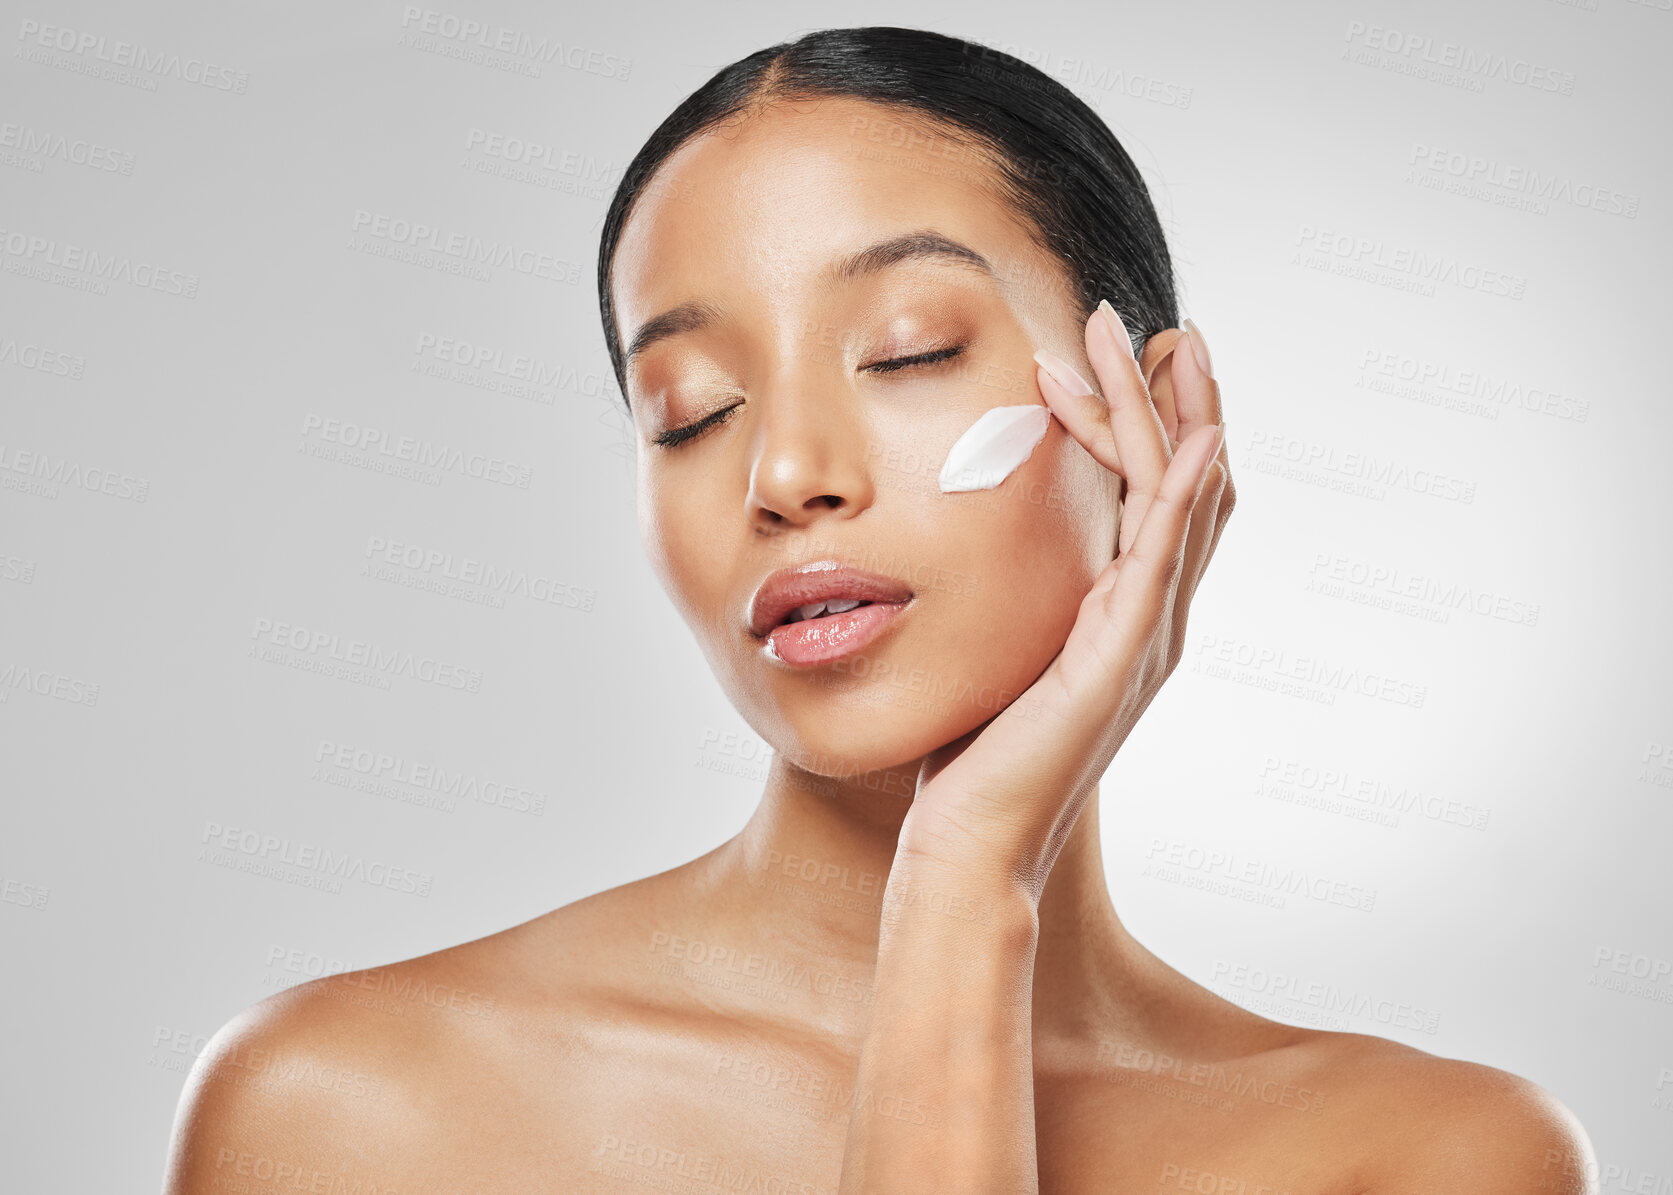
[[813, 641]]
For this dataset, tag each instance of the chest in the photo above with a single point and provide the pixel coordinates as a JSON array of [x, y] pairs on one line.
[[752, 1117]]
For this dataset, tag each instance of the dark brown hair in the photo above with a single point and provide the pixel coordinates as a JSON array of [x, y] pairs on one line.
[[1060, 165]]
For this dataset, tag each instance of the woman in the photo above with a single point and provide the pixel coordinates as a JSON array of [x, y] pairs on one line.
[[904, 973]]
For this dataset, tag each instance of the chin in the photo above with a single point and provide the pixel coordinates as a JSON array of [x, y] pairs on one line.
[[867, 738], [861, 716]]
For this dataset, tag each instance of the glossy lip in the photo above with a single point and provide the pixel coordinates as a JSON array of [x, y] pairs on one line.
[[814, 642], [788, 588]]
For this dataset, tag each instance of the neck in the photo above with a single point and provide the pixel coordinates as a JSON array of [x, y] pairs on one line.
[[809, 868]]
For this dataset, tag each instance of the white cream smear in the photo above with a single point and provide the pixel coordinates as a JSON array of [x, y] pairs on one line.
[[995, 447]]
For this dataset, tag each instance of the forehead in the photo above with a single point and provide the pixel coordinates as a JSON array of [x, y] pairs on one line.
[[760, 207]]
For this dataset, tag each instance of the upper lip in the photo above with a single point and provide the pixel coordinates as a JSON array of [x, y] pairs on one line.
[[821, 580]]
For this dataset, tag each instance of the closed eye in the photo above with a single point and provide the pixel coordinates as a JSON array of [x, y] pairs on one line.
[[931, 358], [691, 431]]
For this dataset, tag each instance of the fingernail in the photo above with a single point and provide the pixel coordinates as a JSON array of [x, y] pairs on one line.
[[1116, 327], [1199, 347], [1064, 374], [1214, 443]]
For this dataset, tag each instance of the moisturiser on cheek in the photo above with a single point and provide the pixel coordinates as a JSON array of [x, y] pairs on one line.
[[994, 447]]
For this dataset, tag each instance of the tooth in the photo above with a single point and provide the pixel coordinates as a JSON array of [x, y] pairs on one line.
[[815, 609]]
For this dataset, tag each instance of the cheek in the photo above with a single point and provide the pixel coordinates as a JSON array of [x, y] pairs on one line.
[[1050, 526], [1027, 553], [678, 535], [1054, 527]]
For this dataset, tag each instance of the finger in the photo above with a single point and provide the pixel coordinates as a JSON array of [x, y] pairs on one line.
[[1199, 546], [1089, 686], [1078, 408], [1196, 395], [1206, 522], [1140, 437], [1136, 590], [1165, 409], [1087, 696], [1196, 398], [1198, 520], [1087, 418], [1156, 559]]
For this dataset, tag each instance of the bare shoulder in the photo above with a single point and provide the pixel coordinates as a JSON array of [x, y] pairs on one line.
[[361, 1078], [1436, 1123], [301, 1085]]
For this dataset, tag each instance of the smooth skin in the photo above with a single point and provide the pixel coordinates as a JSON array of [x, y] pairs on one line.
[[905, 973]]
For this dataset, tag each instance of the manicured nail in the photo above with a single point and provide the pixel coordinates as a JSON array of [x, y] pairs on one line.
[[1064, 374], [1199, 347], [1214, 442], [1117, 328]]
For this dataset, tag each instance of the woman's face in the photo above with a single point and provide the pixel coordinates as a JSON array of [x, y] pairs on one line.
[[824, 456]]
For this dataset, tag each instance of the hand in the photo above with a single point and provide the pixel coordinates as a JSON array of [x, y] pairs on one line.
[[1003, 798]]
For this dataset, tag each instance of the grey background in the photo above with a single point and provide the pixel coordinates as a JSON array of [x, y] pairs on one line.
[[1508, 796]]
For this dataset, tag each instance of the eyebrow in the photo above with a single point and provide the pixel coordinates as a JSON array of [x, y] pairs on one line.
[[697, 314]]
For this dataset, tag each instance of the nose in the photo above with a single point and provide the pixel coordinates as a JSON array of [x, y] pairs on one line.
[[812, 455]]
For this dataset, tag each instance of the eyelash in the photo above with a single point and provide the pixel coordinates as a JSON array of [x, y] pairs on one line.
[[684, 435]]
